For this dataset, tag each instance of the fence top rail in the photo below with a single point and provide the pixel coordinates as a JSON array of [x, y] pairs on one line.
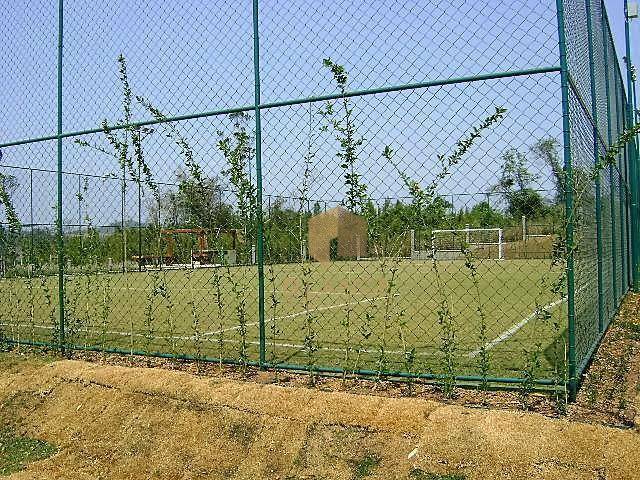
[[296, 101], [455, 230]]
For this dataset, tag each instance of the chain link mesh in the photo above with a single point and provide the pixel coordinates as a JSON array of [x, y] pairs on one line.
[[395, 204]]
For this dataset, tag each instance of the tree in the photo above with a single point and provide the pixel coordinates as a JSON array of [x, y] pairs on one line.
[[238, 152], [526, 202], [515, 186], [8, 185], [194, 204], [484, 215], [9, 244], [547, 150]]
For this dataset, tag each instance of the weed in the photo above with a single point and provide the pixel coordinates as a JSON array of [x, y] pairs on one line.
[[310, 335], [243, 432], [162, 290], [7, 183], [366, 466], [17, 452], [72, 308], [483, 353], [238, 152], [448, 347], [195, 326], [419, 474], [150, 311], [389, 272], [32, 306], [273, 325], [421, 209], [88, 306], [105, 310], [219, 298], [348, 139], [529, 374], [51, 308], [346, 323], [15, 310], [238, 292]]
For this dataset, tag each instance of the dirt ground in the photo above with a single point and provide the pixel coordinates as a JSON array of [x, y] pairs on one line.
[[114, 417], [113, 422]]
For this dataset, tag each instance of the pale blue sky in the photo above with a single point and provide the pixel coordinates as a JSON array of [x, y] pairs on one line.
[[197, 56]]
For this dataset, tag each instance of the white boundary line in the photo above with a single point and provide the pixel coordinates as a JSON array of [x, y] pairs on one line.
[[205, 334], [210, 290], [294, 315], [488, 346], [251, 342], [514, 329]]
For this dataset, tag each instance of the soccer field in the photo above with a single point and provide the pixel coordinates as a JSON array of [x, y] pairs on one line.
[[353, 314]]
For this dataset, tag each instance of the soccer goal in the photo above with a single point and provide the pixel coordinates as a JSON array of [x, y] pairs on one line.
[[450, 244]]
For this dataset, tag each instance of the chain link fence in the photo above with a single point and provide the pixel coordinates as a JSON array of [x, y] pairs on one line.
[[406, 189]]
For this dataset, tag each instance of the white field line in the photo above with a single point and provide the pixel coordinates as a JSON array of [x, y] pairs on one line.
[[511, 331], [294, 315], [210, 290], [86, 331], [488, 346], [514, 329], [204, 334], [250, 342]]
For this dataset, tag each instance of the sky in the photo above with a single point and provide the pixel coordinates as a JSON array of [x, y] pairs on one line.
[[196, 56], [615, 9]]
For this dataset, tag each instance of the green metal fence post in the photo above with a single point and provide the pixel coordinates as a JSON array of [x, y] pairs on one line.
[[596, 158], [612, 171], [31, 261], [259, 219], [624, 191], [139, 217], [564, 81], [623, 199], [633, 161], [628, 194], [61, 333]]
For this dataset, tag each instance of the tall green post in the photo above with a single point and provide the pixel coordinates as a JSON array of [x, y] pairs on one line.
[[596, 158], [612, 170], [633, 159], [623, 192], [61, 333], [31, 252], [259, 218], [568, 166]]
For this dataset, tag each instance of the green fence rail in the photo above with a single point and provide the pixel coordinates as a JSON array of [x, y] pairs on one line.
[[407, 189]]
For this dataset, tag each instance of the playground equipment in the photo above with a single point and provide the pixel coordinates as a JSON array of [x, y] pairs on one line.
[[203, 255]]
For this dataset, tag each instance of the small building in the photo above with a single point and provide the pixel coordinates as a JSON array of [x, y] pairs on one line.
[[337, 234]]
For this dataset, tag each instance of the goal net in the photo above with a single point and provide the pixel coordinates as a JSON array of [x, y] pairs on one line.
[[486, 243]]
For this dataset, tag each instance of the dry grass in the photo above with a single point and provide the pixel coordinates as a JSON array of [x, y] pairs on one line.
[[116, 422]]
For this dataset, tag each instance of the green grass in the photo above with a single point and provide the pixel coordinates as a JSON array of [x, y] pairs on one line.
[[510, 290], [13, 361], [366, 466], [16, 451], [418, 474]]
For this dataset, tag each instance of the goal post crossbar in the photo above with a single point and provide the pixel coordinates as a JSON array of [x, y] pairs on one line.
[[455, 230], [466, 232]]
